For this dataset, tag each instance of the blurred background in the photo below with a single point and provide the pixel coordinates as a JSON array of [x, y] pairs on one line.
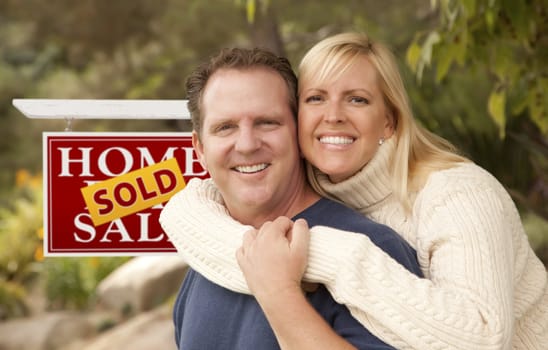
[[476, 72]]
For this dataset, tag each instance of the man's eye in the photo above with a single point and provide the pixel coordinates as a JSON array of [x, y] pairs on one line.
[[267, 124], [270, 122], [224, 127]]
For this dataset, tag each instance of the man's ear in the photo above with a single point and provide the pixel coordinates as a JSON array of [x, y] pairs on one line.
[[199, 149]]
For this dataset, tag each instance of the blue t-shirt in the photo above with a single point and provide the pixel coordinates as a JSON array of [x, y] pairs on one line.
[[207, 316]]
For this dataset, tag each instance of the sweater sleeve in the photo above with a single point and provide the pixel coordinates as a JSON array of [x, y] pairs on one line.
[[198, 225], [465, 246], [465, 303], [207, 237]]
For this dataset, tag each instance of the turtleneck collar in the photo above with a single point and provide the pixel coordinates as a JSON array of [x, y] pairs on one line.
[[369, 186]]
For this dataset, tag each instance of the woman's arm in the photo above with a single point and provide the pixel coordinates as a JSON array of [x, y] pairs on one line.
[[198, 225], [465, 246], [466, 304], [207, 237]]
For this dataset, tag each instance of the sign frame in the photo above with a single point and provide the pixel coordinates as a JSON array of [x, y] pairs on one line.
[[51, 248]]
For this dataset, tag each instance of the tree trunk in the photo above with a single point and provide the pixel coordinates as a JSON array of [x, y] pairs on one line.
[[264, 31]]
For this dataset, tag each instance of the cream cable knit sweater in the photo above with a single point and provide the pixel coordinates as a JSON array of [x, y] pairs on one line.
[[485, 288]]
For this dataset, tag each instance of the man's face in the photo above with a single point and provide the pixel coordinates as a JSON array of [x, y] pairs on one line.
[[249, 142]]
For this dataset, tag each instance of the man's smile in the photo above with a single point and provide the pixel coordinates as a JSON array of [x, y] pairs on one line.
[[250, 169]]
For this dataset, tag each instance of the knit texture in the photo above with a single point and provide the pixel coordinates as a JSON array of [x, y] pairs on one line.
[[485, 288]]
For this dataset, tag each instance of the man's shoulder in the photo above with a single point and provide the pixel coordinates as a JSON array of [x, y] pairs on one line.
[[327, 212]]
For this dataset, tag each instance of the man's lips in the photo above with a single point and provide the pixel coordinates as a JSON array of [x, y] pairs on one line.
[[250, 169]]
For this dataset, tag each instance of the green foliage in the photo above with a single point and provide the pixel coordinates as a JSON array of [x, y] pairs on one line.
[[70, 283], [507, 38], [495, 106], [535, 227], [501, 48], [12, 300], [65, 284], [20, 229]]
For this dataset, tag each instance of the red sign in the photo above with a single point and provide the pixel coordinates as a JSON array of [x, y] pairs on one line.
[[104, 191]]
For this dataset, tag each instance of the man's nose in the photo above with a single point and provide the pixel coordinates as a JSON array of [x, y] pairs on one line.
[[248, 140]]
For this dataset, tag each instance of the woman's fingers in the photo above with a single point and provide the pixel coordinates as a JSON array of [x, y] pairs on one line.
[[300, 236]]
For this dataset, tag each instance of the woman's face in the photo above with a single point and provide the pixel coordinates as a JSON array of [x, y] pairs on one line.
[[341, 121]]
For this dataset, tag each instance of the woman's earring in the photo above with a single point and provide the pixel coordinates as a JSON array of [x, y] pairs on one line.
[[381, 141]]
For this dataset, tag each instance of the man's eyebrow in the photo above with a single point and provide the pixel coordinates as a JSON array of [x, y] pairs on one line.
[[264, 117], [220, 122]]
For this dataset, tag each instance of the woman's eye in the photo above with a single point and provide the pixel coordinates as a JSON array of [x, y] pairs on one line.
[[312, 99], [359, 100]]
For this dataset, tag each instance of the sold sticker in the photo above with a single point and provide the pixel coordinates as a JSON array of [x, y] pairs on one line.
[[132, 192]]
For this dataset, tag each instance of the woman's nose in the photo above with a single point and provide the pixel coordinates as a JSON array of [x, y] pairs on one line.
[[334, 113]]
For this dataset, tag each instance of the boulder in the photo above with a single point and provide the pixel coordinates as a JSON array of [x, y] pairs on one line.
[[149, 330], [45, 331], [142, 283]]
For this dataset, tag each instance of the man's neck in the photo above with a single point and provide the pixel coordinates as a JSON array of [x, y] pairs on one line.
[[256, 216]]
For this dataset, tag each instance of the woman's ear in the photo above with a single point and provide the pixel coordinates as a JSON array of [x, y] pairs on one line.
[[391, 122]]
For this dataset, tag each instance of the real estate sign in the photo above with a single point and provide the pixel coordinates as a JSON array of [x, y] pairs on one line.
[[103, 192]]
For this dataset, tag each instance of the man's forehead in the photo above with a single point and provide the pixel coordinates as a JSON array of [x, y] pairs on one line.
[[223, 76], [257, 91]]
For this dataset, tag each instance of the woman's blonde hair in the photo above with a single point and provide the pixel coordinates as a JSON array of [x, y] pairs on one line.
[[418, 152]]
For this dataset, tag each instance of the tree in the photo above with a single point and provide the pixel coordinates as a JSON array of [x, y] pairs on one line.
[[509, 38], [508, 41]]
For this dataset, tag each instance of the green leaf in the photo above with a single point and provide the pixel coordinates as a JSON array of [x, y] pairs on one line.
[[426, 52], [412, 56], [521, 102], [490, 20], [495, 106], [519, 17], [470, 7], [460, 41], [538, 102], [425, 57], [446, 56], [503, 61]]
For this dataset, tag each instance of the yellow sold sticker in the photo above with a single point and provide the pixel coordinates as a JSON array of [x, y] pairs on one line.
[[132, 192]]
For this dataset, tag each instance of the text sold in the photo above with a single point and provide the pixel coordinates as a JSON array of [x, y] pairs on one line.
[[132, 192]]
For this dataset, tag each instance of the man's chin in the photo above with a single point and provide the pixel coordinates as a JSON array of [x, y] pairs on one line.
[[252, 197]]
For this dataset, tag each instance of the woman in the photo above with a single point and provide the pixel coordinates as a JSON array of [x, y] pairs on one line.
[[484, 286]]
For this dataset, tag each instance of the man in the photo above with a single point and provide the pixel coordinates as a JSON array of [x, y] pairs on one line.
[[243, 107]]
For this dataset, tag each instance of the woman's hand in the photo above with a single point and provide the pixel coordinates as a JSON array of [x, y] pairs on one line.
[[273, 259]]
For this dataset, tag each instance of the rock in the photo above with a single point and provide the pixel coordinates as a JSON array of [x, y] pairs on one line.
[[44, 332], [142, 283], [149, 330]]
